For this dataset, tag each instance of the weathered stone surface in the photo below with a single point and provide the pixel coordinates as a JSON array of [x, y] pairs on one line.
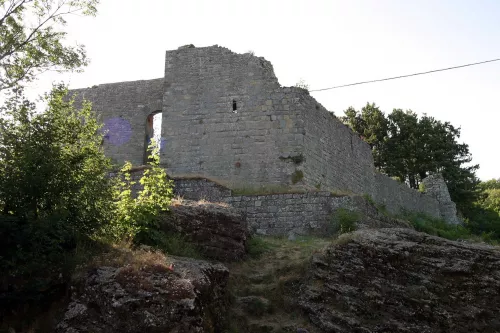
[[435, 186], [372, 218], [400, 280], [254, 305], [124, 108], [219, 231], [226, 117], [189, 299]]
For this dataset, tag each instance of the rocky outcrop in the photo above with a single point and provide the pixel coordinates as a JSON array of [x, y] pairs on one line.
[[218, 231], [150, 298], [400, 280]]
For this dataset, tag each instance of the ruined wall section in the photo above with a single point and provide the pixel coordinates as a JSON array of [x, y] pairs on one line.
[[435, 186], [123, 108], [204, 136], [398, 197], [335, 157]]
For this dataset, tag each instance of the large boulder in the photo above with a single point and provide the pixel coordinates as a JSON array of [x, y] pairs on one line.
[[400, 280], [189, 296], [218, 231]]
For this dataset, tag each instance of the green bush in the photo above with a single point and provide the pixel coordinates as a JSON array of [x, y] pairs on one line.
[[369, 198], [344, 220], [172, 243], [297, 176], [138, 215], [439, 227], [52, 165], [483, 221], [54, 190], [257, 246]]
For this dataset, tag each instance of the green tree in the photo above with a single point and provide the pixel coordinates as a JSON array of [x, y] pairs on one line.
[[409, 147], [492, 200], [32, 38], [52, 163], [54, 192], [492, 184], [372, 125]]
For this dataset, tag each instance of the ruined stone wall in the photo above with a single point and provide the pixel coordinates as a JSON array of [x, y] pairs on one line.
[[124, 108], [398, 197], [335, 157], [225, 117], [204, 136], [289, 213], [201, 189], [270, 214], [435, 187]]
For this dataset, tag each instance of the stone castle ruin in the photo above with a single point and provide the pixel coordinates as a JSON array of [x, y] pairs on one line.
[[228, 127]]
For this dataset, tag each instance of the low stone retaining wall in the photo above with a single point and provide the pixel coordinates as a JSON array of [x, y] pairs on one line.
[[271, 214], [281, 214]]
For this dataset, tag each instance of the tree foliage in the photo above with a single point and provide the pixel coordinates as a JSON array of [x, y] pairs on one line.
[[409, 148], [32, 38], [54, 190], [136, 214], [492, 184], [372, 125], [52, 163]]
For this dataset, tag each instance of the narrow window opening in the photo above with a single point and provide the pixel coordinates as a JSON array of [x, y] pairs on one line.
[[235, 106], [153, 132]]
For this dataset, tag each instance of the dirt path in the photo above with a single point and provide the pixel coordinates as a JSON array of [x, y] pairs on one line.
[[264, 288]]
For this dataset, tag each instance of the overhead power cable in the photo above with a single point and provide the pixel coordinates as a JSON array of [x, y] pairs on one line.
[[408, 75]]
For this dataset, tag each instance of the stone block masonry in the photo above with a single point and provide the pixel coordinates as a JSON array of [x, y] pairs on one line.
[[435, 186], [279, 214], [123, 108], [226, 118]]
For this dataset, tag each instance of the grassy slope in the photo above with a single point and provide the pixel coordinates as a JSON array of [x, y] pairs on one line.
[[272, 275]]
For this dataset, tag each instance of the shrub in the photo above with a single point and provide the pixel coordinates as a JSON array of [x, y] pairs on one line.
[[297, 176], [257, 246], [302, 84], [344, 220], [138, 216], [369, 199], [54, 190], [438, 227], [172, 243], [52, 165]]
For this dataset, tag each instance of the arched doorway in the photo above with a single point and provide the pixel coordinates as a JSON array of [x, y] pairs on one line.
[[153, 131]]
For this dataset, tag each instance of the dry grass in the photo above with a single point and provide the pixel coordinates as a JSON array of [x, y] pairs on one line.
[[180, 201], [177, 201], [135, 267], [143, 259]]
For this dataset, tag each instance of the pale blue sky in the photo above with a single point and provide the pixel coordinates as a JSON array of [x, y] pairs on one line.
[[326, 43]]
